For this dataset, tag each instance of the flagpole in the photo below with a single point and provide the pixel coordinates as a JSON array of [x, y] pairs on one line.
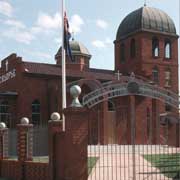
[[63, 65]]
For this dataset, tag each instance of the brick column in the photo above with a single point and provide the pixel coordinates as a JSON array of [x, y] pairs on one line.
[[71, 146], [25, 140], [3, 141], [54, 127], [70, 156]]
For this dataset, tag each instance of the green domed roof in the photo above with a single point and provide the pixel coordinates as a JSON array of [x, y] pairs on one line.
[[146, 19], [77, 48]]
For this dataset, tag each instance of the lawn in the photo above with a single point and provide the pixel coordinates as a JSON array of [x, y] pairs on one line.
[[168, 164], [91, 163]]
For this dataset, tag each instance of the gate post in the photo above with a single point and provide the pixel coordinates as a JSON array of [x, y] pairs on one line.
[[3, 141], [54, 127], [71, 146], [25, 140]]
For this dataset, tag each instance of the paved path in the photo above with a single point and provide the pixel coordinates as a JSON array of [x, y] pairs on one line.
[[116, 163]]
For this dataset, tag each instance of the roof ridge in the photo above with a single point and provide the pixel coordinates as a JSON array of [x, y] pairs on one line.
[[39, 63]]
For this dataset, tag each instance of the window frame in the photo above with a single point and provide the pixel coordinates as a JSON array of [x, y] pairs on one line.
[[155, 78], [5, 115], [155, 45], [166, 42], [169, 80], [36, 112]]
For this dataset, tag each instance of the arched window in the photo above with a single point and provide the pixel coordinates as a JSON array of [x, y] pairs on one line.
[[36, 112], [167, 49], [155, 47], [4, 113], [167, 77], [155, 75], [133, 48], [111, 106], [122, 51]]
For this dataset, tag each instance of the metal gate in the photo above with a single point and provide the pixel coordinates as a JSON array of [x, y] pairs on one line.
[[114, 152]]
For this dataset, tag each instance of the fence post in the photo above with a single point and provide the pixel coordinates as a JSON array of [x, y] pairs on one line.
[[3, 141], [25, 140], [54, 127]]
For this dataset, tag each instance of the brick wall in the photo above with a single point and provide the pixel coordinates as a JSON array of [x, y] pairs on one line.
[[11, 169], [36, 171], [28, 170]]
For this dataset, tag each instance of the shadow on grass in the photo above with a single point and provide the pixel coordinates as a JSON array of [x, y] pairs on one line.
[[168, 164]]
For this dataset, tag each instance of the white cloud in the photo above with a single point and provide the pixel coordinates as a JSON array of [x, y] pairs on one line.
[[19, 36], [15, 23], [98, 44], [58, 40], [47, 22], [75, 23], [36, 30], [42, 55], [6, 8], [101, 24], [108, 41], [102, 44]]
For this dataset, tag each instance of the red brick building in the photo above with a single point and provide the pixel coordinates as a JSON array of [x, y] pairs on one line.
[[146, 44]]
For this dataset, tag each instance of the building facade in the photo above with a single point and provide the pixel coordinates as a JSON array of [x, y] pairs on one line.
[[146, 44]]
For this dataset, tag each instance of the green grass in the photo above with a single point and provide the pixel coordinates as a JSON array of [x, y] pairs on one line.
[[168, 164], [91, 163]]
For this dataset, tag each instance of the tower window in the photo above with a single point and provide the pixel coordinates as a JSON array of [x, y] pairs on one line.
[[155, 75], [167, 78], [36, 112], [167, 49], [122, 51], [155, 47], [133, 48]]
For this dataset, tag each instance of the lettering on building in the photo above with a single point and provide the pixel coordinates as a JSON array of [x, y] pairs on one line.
[[9, 75]]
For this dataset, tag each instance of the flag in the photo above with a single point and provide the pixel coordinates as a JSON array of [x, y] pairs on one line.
[[67, 37]]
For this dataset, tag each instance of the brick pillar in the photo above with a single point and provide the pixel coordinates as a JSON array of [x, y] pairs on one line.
[[25, 140], [71, 146], [54, 127], [3, 141]]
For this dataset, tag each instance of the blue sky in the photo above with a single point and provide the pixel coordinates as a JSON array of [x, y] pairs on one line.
[[32, 29]]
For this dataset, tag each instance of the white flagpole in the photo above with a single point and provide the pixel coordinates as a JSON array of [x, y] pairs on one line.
[[63, 65]]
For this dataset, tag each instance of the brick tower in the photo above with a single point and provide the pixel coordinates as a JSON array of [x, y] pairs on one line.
[[80, 57], [147, 44]]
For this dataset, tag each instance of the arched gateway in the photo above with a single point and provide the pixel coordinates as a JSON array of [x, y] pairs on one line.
[[129, 85], [130, 158]]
